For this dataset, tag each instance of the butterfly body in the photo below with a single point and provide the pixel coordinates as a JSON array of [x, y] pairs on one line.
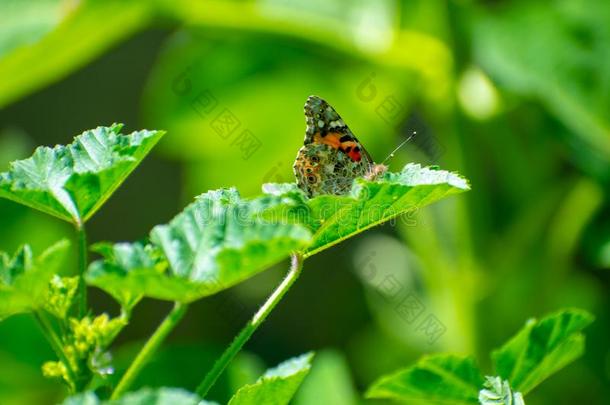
[[331, 157]]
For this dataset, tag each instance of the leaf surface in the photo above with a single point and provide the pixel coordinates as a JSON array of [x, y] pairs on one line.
[[333, 219], [437, 379], [277, 386], [72, 182], [542, 348], [216, 242]]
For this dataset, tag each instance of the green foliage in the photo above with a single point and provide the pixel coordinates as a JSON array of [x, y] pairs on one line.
[[539, 350], [217, 241], [335, 218], [538, 160], [214, 243], [277, 386], [542, 348], [222, 239], [72, 182], [24, 280], [441, 378]]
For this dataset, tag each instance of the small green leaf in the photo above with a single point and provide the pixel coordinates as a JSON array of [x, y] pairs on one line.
[[542, 348], [216, 242], [24, 280], [438, 379], [72, 182], [498, 392], [277, 386], [144, 396], [334, 218]]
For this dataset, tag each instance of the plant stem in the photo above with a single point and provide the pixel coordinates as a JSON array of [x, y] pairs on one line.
[[82, 267], [251, 326], [149, 349], [54, 341]]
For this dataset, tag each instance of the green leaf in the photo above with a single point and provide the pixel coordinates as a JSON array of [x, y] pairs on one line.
[[277, 386], [24, 280], [542, 348], [334, 218], [49, 59], [144, 396], [216, 242], [498, 392], [72, 182], [439, 379]]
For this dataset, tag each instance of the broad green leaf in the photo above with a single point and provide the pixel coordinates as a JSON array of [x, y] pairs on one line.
[[144, 396], [498, 392], [542, 348], [277, 386], [335, 218], [24, 280], [72, 182], [90, 27], [436, 379], [216, 242], [329, 382]]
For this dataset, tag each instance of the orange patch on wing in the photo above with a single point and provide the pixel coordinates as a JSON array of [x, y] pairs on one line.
[[331, 139]]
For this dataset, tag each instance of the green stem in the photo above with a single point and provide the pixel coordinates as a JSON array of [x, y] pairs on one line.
[[251, 326], [54, 342], [149, 349], [82, 267]]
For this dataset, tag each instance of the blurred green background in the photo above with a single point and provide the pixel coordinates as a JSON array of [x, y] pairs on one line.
[[514, 95]]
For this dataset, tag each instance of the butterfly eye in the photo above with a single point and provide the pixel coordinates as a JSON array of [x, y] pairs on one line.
[[315, 159], [311, 179], [308, 170]]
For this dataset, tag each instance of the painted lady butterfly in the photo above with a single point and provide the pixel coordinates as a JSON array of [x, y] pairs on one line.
[[331, 157]]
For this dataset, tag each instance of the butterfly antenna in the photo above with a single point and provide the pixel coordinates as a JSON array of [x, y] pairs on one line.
[[391, 155]]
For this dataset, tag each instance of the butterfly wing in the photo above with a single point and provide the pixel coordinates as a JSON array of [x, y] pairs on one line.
[[331, 156]]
